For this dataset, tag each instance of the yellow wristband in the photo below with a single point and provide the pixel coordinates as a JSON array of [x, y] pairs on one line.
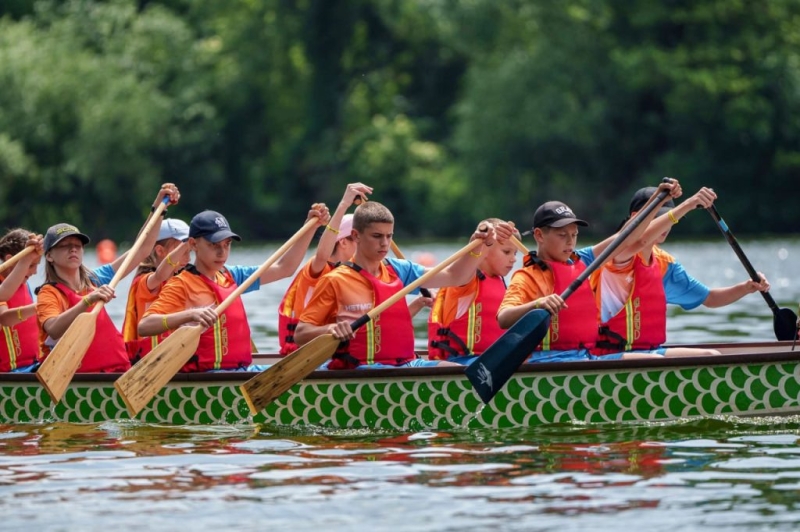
[[164, 322], [19, 314], [86, 300], [672, 217], [331, 229], [476, 255], [169, 261]]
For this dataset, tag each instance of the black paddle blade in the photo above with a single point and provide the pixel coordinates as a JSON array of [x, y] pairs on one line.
[[785, 324], [498, 363]]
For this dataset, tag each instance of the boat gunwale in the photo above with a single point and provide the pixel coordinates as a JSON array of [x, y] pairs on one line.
[[602, 366]]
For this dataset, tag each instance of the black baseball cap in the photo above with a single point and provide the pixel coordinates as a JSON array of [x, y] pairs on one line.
[[59, 232], [212, 226], [640, 198], [555, 214]]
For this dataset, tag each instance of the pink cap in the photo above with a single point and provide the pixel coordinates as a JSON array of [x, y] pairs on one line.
[[346, 227]]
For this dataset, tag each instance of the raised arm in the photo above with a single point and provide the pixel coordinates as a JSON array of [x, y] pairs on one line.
[[167, 189], [289, 262], [329, 237], [175, 260], [20, 270]]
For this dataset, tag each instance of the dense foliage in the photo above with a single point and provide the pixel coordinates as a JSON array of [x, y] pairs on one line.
[[453, 110]]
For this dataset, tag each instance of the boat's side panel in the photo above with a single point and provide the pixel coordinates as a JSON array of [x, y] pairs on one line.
[[443, 402]]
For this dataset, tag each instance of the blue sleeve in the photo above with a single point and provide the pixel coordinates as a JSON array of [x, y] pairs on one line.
[[586, 255], [104, 274], [683, 289], [241, 273], [407, 271]]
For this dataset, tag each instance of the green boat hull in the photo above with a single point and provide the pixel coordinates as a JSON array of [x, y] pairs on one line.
[[760, 380]]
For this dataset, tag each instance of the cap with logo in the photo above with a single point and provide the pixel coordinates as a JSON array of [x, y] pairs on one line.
[[555, 214], [641, 197], [59, 232], [173, 228], [212, 226]]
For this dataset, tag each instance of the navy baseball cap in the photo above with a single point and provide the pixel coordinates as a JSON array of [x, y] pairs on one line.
[[212, 226], [555, 214], [641, 197], [59, 232]]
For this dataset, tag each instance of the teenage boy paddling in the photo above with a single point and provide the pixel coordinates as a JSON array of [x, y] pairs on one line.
[[549, 271], [354, 288], [190, 297]]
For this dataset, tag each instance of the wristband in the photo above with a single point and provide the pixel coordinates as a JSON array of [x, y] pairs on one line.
[[331, 229], [164, 323], [476, 255], [672, 217], [19, 314], [86, 301], [169, 261]]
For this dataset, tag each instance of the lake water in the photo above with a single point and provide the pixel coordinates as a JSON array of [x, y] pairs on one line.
[[723, 474]]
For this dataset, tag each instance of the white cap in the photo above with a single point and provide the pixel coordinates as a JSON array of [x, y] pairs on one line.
[[173, 228], [345, 227]]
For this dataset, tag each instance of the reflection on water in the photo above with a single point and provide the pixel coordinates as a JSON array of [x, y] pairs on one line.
[[724, 473]]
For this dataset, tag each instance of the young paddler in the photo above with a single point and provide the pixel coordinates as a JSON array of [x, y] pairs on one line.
[[189, 298], [19, 350], [71, 288], [169, 255]]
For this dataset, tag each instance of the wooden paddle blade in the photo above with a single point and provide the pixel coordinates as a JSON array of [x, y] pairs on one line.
[[498, 363], [148, 376], [785, 324], [268, 385], [64, 360]]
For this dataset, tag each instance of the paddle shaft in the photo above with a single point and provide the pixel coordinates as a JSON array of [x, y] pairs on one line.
[[742, 257], [399, 254], [16, 258], [412, 286], [624, 234]]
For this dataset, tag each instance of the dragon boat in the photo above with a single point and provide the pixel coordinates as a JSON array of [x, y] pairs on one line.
[[748, 379]]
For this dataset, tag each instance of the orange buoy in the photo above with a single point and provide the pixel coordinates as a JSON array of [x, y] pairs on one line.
[[106, 251], [425, 258]]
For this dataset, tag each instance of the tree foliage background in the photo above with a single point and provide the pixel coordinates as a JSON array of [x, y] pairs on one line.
[[454, 110]]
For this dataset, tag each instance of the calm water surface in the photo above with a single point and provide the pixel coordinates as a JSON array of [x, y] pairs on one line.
[[725, 474]]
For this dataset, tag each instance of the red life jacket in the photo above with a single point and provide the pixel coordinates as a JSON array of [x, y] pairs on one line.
[[226, 345], [20, 347], [140, 346], [574, 327], [472, 332], [642, 323], [294, 301], [106, 353], [392, 344]]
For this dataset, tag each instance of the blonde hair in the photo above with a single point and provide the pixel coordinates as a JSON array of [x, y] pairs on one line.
[[87, 279], [150, 263]]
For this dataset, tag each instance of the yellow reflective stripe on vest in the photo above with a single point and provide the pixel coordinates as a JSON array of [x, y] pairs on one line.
[[8, 334], [370, 342], [471, 327], [546, 341], [631, 333], [218, 344]]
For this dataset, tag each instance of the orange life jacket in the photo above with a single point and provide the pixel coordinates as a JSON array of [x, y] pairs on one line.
[[389, 338], [642, 323], [134, 310], [20, 347], [294, 301], [106, 353], [473, 331]]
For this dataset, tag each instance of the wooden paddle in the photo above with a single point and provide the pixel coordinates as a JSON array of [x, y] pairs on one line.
[[58, 368], [150, 374], [489, 373], [16, 258], [268, 385], [399, 254], [784, 320]]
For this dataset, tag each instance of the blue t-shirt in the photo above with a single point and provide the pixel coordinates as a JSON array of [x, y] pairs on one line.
[[586, 255], [407, 271], [239, 273], [683, 289]]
